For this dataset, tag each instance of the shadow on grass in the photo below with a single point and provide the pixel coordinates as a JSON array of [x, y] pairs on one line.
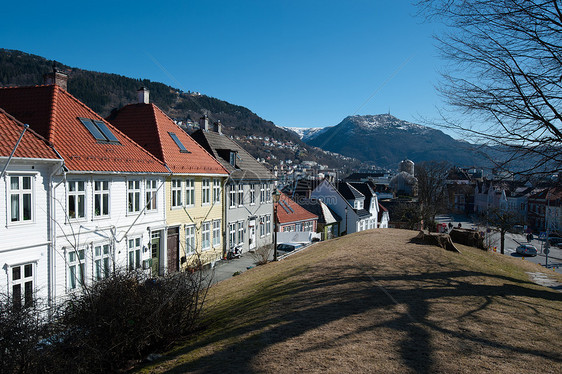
[[282, 310]]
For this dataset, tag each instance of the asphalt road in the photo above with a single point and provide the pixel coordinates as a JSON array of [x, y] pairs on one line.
[[511, 243]]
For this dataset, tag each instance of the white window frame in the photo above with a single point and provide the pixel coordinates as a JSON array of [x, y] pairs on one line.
[[103, 194], [77, 194], [240, 236], [134, 196], [176, 186], [217, 190], [205, 191], [206, 236], [134, 253], [262, 193], [190, 237], [252, 194], [102, 261], [190, 192], [151, 195], [232, 196], [268, 224], [76, 267], [262, 226], [26, 296], [240, 194], [268, 193], [216, 233], [20, 193], [231, 235]]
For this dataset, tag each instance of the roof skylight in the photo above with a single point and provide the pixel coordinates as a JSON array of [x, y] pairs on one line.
[[178, 142], [99, 130]]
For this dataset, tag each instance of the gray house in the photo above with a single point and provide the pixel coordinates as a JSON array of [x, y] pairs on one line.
[[248, 191]]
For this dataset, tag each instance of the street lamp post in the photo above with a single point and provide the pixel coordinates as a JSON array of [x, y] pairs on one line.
[[276, 196], [346, 220]]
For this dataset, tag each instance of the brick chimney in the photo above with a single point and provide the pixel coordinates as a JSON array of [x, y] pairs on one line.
[[143, 95], [218, 126], [56, 77], [204, 123]]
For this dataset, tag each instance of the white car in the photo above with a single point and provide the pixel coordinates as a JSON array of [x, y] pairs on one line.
[[526, 250]]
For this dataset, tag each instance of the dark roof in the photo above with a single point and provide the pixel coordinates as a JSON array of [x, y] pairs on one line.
[[301, 187], [362, 176], [349, 192], [362, 213], [314, 206], [366, 190], [217, 144]]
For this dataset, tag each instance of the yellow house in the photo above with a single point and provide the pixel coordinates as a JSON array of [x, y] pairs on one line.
[[194, 188]]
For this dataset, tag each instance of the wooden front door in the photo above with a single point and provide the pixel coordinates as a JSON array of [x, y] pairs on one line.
[[173, 248]]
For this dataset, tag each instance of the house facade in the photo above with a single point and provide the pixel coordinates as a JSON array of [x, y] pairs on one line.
[[106, 203], [248, 212], [25, 187], [194, 189]]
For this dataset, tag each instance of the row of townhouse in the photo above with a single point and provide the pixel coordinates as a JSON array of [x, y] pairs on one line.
[[538, 207], [84, 196]]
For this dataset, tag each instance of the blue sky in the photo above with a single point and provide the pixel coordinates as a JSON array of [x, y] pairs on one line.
[[296, 63]]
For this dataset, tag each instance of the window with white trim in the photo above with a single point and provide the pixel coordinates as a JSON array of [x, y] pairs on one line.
[[134, 253], [216, 232], [76, 268], [262, 226], [232, 234], [101, 198], [190, 244], [240, 194], [21, 192], [205, 191], [176, 193], [216, 190], [206, 236], [262, 193], [101, 262], [232, 196], [133, 196], [189, 192], [22, 278], [151, 195], [252, 194], [268, 224], [241, 232], [76, 199], [268, 193]]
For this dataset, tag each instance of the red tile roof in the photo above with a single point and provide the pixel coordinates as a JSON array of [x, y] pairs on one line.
[[32, 145], [289, 211], [53, 113], [149, 126]]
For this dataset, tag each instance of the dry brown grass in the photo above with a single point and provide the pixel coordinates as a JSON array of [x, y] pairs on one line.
[[375, 302]]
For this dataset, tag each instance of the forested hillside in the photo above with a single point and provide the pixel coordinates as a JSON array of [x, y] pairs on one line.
[[105, 92]]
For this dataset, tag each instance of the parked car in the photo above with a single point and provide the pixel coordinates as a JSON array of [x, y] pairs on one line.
[[288, 247], [517, 229], [526, 250], [557, 242]]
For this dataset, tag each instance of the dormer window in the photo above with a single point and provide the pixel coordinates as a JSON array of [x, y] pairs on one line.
[[232, 158], [99, 130], [178, 143]]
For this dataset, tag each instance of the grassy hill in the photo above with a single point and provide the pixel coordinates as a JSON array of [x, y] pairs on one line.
[[376, 302]]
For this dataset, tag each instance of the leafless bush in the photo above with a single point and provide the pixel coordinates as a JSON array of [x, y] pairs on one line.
[[104, 327], [261, 254]]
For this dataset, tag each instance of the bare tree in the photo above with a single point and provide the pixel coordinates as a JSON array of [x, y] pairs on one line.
[[432, 189], [505, 76], [502, 221]]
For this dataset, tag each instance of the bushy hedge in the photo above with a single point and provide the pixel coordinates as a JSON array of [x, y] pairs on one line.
[[107, 325]]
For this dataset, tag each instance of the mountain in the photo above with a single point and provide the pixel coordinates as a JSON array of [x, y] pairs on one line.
[[385, 140], [104, 93], [306, 134]]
